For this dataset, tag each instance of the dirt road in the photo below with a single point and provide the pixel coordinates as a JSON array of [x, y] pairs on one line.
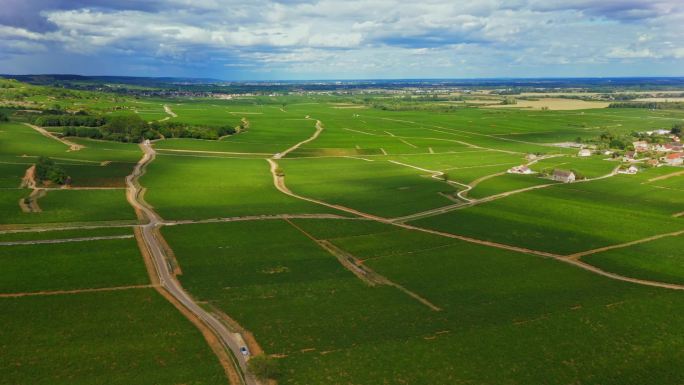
[[473, 202], [72, 146], [66, 240], [280, 185], [319, 129], [155, 249], [168, 110]]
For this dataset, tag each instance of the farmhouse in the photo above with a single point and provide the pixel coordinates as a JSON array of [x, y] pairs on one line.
[[640, 146], [631, 170], [522, 169], [584, 152], [563, 176], [675, 159], [630, 156], [653, 163]]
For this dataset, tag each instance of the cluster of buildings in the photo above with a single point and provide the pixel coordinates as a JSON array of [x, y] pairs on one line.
[[671, 153]]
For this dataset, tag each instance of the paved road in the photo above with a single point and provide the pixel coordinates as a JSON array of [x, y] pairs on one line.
[[167, 280]]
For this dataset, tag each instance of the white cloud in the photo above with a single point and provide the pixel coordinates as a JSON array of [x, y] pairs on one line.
[[486, 36]]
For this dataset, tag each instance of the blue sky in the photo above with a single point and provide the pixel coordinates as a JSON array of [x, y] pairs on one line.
[[338, 39]]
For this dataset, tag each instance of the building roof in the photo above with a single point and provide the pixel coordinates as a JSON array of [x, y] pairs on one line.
[[563, 173], [675, 155]]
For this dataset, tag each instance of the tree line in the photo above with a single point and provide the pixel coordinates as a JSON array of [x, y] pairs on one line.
[[129, 127]]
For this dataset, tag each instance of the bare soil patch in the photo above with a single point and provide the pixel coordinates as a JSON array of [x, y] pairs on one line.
[[552, 104]]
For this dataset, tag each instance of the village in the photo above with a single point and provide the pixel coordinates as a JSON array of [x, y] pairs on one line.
[[653, 149]]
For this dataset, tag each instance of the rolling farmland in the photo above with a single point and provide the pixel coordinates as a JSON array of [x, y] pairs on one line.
[[341, 243]]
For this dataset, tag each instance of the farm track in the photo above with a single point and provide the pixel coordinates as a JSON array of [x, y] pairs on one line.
[[66, 240], [225, 343], [678, 173], [577, 256], [215, 152], [257, 218], [319, 129], [475, 133], [5, 229], [439, 176], [72, 146], [169, 111], [473, 202], [280, 185], [75, 291], [361, 271]]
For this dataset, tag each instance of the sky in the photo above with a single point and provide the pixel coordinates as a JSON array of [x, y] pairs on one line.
[[343, 39]]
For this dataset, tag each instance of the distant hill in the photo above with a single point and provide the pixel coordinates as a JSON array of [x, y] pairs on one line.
[[64, 79]]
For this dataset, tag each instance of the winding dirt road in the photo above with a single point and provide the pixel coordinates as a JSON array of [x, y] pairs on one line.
[[154, 248], [170, 112], [279, 183], [72, 146], [319, 129]]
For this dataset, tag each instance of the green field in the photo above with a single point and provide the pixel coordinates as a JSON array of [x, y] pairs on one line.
[[428, 283], [68, 206], [658, 260], [377, 187], [200, 188], [490, 299], [71, 266], [563, 218], [102, 338]]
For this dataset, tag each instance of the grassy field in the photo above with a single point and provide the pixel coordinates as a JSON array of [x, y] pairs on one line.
[[377, 187], [589, 167], [71, 265], [658, 260], [432, 310], [68, 206], [113, 338], [196, 188], [99, 175], [490, 299], [564, 218], [65, 234], [506, 182]]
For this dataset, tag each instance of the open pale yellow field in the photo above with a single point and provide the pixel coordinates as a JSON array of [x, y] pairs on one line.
[[553, 104], [672, 99]]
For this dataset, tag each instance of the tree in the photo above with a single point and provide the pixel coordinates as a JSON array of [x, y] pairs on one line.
[[509, 100], [125, 128], [264, 367], [48, 170], [4, 117], [677, 128]]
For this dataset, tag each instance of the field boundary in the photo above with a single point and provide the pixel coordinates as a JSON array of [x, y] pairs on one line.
[[76, 291], [72, 146], [362, 272], [280, 185], [66, 240]]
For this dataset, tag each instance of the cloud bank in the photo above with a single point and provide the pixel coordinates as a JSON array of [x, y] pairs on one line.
[[266, 39]]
